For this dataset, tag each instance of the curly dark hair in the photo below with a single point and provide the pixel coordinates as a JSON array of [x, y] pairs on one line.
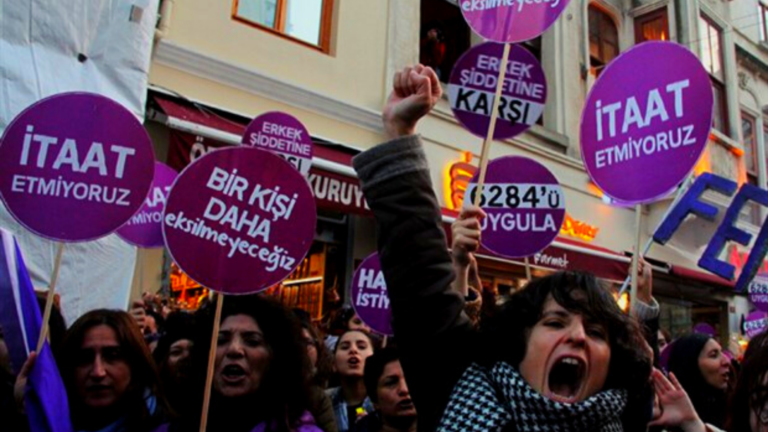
[[581, 293], [144, 375], [749, 394], [283, 394]]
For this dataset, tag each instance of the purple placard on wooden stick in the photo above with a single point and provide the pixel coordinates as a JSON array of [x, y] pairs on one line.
[[239, 220], [511, 20], [75, 167], [524, 203], [646, 122], [284, 135], [145, 228]]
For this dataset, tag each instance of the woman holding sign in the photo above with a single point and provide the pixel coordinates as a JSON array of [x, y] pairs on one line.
[[561, 353], [261, 370]]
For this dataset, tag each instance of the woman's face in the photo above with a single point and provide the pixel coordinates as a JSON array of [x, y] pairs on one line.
[[352, 350], [178, 359], [242, 357], [311, 347], [662, 340], [714, 365], [102, 373], [567, 356]]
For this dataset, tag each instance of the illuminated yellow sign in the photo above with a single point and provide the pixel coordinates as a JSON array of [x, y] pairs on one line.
[[577, 229]]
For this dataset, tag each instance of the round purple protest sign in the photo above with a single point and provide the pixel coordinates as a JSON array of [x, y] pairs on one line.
[[705, 329], [472, 90], [511, 20], [756, 323], [284, 135], [369, 296], [643, 132], [75, 167], [524, 203], [145, 229], [239, 220], [758, 292]]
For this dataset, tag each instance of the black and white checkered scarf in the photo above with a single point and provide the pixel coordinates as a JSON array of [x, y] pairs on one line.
[[488, 400]]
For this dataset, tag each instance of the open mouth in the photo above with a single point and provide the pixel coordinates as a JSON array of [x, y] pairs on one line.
[[233, 373], [405, 404], [353, 362], [566, 379]]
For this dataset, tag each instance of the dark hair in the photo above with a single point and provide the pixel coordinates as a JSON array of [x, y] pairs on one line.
[[339, 322], [708, 401], [507, 332], [324, 367], [144, 374], [283, 394], [373, 342], [374, 367], [750, 394]]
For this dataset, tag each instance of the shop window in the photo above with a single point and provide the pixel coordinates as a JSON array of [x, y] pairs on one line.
[[653, 26], [445, 36], [304, 21], [749, 135], [710, 43], [603, 40]]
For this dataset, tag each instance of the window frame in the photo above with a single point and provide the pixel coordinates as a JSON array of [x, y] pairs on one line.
[[661, 13], [326, 21], [717, 82], [607, 17], [753, 176], [763, 20]]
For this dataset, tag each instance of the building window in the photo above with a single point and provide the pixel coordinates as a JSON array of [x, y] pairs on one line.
[[653, 26], [305, 21], [603, 40], [445, 36], [749, 135], [711, 42], [763, 17]]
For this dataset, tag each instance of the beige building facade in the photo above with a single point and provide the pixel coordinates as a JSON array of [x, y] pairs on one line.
[[331, 67]]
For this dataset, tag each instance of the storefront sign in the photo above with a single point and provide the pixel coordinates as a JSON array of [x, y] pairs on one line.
[[472, 90], [727, 232], [511, 20], [369, 296], [184, 148], [337, 192], [75, 167], [525, 206], [578, 229], [739, 260], [239, 220], [756, 323], [144, 229], [283, 135], [758, 292], [651, 108], [458, 176]]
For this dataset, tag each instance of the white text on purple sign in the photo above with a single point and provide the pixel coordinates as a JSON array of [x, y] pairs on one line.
[[371, 280], [246, 221], [629, 115], [154, 208], [482, 5], [68, 158], [513, 106]]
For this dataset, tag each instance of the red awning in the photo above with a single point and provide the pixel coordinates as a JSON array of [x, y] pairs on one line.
[[333, 190], [700, 276]]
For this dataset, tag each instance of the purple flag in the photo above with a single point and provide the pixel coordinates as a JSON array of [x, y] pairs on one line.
[[46, 400]]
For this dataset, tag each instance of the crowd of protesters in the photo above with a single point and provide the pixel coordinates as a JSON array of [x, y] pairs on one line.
[[558, 354]]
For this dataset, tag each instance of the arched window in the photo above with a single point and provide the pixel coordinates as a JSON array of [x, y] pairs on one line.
[[603, 40]]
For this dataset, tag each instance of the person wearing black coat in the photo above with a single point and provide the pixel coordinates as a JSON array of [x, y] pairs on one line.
[[559, 354]]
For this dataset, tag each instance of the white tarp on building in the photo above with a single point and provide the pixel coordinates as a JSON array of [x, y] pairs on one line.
[[54, 46]]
